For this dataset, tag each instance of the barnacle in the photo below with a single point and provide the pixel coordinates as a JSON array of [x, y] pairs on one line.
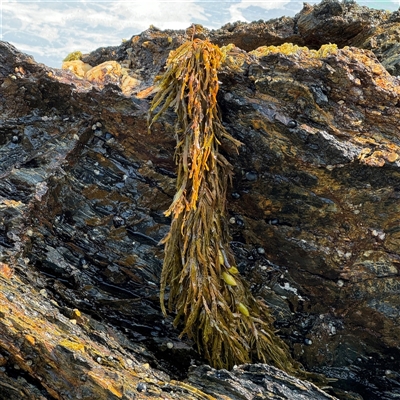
[[198, 261]]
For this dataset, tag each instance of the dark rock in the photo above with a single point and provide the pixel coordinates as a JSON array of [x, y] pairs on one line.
[[251, 176], [253, 381], [337, 22], [83, 189]]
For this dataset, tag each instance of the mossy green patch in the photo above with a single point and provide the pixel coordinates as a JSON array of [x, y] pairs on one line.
[[75, 55]]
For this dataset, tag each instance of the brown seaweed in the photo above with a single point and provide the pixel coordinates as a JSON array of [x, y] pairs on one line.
[[206, 290]]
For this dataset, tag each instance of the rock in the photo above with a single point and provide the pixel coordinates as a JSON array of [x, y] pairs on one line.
[[248, 380], [78, 67], [342, 23], [83, 189]]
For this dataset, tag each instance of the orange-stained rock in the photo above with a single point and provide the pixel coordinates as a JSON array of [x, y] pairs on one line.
[[5, 270], [78, 67], [128, 84], [108, 71], [103, 74], [313, 212]]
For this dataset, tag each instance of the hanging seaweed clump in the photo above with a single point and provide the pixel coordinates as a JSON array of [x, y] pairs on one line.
[[207, 293]]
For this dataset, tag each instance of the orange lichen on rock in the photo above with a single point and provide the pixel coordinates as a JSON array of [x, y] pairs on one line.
[[5, 270], [11, 203], [106, 384], [128, 83], [104, 73], [49, 344], [78, 67], [378, 158], [30, 339], [75, 346], [380, 75], [108, 71], [390, 156]]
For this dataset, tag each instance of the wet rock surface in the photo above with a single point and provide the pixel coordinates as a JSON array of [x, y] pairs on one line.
[[253, 381], [313, 214]]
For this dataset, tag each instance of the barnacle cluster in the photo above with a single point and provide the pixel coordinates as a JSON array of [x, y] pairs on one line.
[[206, 290]]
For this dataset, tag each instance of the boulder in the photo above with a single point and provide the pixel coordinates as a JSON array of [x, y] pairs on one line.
[[313, 213]]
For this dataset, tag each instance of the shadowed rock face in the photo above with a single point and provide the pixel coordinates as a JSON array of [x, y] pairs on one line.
[[313, 214]]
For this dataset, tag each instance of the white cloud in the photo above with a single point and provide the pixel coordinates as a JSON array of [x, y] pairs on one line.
[[87, 25], [236, 10], [38, 17], [163, 14]]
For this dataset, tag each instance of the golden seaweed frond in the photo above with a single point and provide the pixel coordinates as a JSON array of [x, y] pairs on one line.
[[206, 290]]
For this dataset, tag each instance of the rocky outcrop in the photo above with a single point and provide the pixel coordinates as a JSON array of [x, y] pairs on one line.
[[313, 213]]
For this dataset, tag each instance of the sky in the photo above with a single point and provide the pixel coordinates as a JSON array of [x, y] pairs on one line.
[[50, 30]]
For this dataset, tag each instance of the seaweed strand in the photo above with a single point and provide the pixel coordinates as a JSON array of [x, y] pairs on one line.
[[206, 291]]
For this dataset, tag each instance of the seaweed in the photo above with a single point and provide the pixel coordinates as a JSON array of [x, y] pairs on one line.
[[289, 48], [206, 290], [75, 55]]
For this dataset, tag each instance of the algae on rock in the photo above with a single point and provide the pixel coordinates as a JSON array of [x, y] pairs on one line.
[[290, 48], [218, 311], [75, 55]]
